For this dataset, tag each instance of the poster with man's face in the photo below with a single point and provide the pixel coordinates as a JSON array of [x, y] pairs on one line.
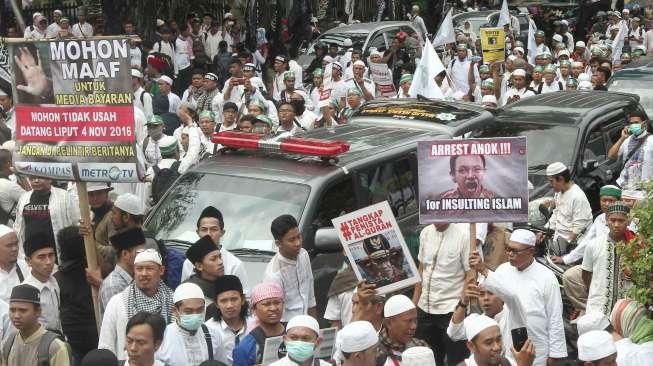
[[474, 180], [376, 248]]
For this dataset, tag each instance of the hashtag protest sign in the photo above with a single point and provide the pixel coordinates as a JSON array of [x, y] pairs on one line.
[[376, 248]]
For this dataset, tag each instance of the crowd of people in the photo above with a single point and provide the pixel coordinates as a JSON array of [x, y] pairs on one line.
[[156, 308]]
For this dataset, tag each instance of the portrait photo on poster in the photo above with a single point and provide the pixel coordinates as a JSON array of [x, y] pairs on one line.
[[474, 180], [376, 248]]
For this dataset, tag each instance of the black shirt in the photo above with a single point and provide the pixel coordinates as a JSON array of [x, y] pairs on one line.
[[36, 214]]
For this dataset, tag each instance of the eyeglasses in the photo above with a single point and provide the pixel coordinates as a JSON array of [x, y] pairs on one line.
[[514, 251]]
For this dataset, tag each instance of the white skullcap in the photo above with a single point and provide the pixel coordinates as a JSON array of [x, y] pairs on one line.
[[512, 57], [167, 141], [584, 85], [595, 345], [555, 168], [592, 321], [489, 99], [557, 38], [187, 291], [523, 236], [564, 22], [357, 336], [129, 203], [520, 49], [396, 305], [304, 321], [58, 12], [4, 230], [632, 194], [580, 44], [519, 72], [577, 64], [160, 22], [149, 255], [347, 43], [97, 186], [166, 79], [563, 52], [417, 356], [359, 63], [626, 11], [36, 14], [476, 323], [137, 74]]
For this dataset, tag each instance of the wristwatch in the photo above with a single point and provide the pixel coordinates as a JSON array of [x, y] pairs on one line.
[[461, 305]]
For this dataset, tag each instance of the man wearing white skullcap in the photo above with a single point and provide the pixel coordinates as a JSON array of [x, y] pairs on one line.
[[360, 82], [12, 269], [357, 342], [418, 356], [302, 339], [148, 292], [572, 212], [398, 333], [484, 340], [519, 89], [537, 288], [187, 341], [596, 348]]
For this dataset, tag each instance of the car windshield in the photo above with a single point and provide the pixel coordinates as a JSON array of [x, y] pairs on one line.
[[634, 87], [357, 40], [546, 143], [247, 205], [474, 23]]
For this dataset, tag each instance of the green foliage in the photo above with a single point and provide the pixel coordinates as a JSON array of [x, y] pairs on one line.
[[638, 253]]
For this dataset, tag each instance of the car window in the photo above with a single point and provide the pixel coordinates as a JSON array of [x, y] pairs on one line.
[[377, 42], [337, 200], [595, 147], [613, 129], [391, 181]]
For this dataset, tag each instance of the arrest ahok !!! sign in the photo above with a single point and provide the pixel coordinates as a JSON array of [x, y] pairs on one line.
[[74, 108]]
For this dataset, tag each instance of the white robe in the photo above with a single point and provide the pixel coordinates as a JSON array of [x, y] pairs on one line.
[[539, 293], [631, 354], [599, 227], [114, 326], [174, 352], [296, 279], [572, 213]]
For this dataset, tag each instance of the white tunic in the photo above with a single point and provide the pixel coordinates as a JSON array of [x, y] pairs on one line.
[[511, 92], [539, 294], [180, 348], [631, 354], [288, 362], [598, 228], [296, 279], [445, 258], [10, 279], [114, 326], [339, 307], [50, 301], [459, 73], [607, 279], [228, 335], [572, 213]]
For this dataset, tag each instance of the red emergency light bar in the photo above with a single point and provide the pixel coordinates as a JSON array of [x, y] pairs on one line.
[[292, 145]]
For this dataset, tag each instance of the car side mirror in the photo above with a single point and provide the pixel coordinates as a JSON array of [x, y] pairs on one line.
[[327, 240], [589, 165]]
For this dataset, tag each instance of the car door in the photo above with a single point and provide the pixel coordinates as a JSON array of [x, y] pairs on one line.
[[377, 40], [395, 181]]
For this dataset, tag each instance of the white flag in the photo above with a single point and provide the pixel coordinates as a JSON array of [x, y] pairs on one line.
[[424, 79], [532, 46], [504, 15], [446, 33], [618, 46]]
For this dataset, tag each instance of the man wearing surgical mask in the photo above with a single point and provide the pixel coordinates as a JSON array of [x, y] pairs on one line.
[[634, 150], [187, 341], [302, 340]]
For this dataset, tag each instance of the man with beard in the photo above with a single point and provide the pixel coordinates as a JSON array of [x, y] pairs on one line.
[[468, 172]]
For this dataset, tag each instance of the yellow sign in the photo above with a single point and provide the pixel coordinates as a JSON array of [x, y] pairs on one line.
[[493, 44]]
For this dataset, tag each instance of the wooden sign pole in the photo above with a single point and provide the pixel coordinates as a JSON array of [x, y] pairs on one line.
[[89, 246]]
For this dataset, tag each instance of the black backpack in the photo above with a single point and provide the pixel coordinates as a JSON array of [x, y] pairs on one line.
[[163, 179]]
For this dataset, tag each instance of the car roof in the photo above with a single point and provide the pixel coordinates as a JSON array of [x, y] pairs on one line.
[[420, 113], [472, 14], [570, 108], [366, 142], [643, 73], [367, 27]]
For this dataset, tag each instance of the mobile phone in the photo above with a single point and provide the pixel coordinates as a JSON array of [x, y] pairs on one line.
[[519, 337]]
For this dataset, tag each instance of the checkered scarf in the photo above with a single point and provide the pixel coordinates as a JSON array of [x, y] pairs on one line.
[[160, 303]]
